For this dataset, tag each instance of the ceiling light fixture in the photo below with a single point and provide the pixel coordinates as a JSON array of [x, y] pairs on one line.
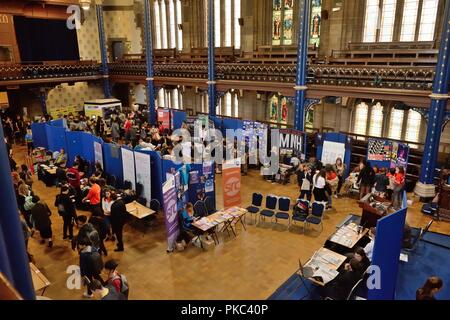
[[85, 4]]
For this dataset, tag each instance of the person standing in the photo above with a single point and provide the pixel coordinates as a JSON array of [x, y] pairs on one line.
[[66, 209], [115, 131], [29, 141], [118, 215], [365, 178], [91, 264], [41, 218], [340, 168], [319, 187], [305, 181], [399, 185], [94, 197], [106, 206]]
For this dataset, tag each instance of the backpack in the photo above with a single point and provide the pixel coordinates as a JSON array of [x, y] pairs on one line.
[[29, 204], [97, 262], [124, 288]]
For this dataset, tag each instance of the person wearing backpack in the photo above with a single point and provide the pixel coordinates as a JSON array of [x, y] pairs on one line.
[[105, 292], [91, 264], [115, 279], [66, 209], [41, 218]]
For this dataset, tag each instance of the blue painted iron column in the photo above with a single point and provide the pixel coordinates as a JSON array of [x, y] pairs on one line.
[[425, 187], [152, 118], [302, 53], [211, 60], [103, 51], [12, 244]]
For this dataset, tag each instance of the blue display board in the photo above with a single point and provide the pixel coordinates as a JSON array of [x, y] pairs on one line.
[[58, 123], [177, 119], [56, 138], [112, 158], [74, 141], [339, 138], [39, 135], [386, 253]]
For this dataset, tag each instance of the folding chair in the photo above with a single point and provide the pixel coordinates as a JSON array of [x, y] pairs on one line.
[[300, 214]]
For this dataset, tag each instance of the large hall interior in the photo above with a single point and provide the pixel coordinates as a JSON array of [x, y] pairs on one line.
[[224, 150]]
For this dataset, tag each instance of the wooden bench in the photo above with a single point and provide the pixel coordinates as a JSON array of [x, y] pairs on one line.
[[391, 45], [159, 55], [200, 55], [277, 55], [384, 61]]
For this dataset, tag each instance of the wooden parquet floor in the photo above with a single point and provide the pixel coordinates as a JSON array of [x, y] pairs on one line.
[[251, 266]]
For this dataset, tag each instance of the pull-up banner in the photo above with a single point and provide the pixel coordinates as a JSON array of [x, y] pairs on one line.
[[292, 141], [171, 211], [231, 180]]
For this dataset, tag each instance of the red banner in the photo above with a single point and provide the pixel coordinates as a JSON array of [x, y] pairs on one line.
[[231, 182], [164, 117]]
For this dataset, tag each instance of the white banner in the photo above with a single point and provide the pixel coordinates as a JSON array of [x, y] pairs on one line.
[[128, 167], [98, 153], [143, 167], [331, 151]]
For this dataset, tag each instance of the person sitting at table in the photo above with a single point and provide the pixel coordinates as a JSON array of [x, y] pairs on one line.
[[360, 255], [99, 173], [61, 159], [369, 247], [93, 197], [340, 287]]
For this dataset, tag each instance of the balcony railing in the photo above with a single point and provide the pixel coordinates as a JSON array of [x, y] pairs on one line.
[[45, 70]]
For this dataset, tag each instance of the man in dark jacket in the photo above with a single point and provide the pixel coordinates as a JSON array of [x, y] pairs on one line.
[[118, 216], [100, 225], [340, 287], [91, 264], [66, 209], [40, 214], [87, 233]]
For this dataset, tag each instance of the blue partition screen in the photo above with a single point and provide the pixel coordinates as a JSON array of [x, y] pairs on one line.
[[112, 157], [39, 135], [88, 147], [386, 253], [340, 138], [74, 145], [177, 119], [58, 123], [56, 138]]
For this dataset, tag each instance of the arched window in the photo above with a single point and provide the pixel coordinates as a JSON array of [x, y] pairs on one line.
[[282, 22], [413, 126], [168, 36], [278, 109], [170, 98], [236, 106], [376, 120], [396, 124], [361, 114], [217, 23]]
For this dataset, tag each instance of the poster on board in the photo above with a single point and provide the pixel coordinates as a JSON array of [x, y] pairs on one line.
[[129, 173], [164, 117], [143, 168], [379, 150], [400, 154], [98, 153], [171, 212], [292, 142], [231, 183], [331, 151]]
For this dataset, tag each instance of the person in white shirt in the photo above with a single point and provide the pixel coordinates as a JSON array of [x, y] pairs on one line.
[[319, 186], [107, 202], [369, 247]]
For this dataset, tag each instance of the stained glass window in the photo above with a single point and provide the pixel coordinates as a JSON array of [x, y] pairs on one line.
[[179, 22], [283, 110], [237, 26], [227, 21], [413, 126], [273, 109], [288, 21], [316, 19], [236, 105], [163, 24], [173, 41], [217, 22], [276, 22], [157, 24]]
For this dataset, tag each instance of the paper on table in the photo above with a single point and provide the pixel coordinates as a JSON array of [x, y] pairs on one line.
[[326, 274], [403, 257]]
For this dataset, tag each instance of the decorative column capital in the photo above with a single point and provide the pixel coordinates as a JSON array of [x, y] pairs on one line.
[[300, 88], [439, 96]]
